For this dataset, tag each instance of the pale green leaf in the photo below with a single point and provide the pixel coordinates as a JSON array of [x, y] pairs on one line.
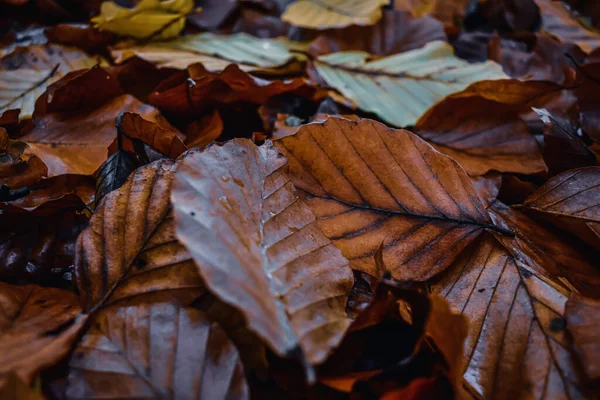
[[154, 19], [327, 14], [400, 88], [215, 52]]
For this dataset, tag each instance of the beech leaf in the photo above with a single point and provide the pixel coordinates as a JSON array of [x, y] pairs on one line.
[[583, 320], [367, 182], [155, 351], [328, 14], [400, 88], [258, 247]]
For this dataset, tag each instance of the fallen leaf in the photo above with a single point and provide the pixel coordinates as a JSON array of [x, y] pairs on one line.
[[396, 32], [37, 328], [258, 247], [587, 101], [400, 88], [214, 52], [582, 315], [214, 13], [367, 182], [326, 14], [130, 248], [149, 19], [202, 132], [155, 351], [482, 135], [206, 89], [113, 172], [488, 187], [418, 389], [18, 169], [564, 149], [517, 345], [557, 21], [570, 201], [508, 16], [544, 253], [26, 74], [12, 387], [447, 11], [83, 36]]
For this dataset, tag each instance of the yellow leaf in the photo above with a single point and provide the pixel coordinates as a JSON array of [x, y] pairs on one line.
[[154, 19], [326, 14]]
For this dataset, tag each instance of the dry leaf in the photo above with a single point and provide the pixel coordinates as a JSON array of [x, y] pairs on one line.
[[149, 19], [37, 328], [571, 201], [517, 345], [155, 351], [16, 168], [214, 52], [482, 135], [367, 182], [130, 247], [327, 14], [400, 88], [258, 247], [583, 320], [447, 11], [12, 387], [23, 80]]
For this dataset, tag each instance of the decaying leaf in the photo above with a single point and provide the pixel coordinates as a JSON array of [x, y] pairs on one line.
[[155, 351], [367, 182], [583, 321], [25, 78], [130, 249], [517, 345], [18, 169], [37, 328], [400, 88], [214, 52], [149, 19], [571, 201], [326, 14], [482, 135], [258, 247]]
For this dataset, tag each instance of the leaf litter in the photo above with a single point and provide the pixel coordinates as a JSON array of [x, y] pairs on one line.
[[299, 199]]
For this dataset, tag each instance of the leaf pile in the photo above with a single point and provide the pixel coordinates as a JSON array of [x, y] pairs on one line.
[[304, 199]]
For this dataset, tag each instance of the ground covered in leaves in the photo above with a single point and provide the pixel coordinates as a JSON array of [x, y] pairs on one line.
[[310, 199]]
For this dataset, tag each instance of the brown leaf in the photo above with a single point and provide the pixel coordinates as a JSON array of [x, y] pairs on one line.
[[482, 135], [206, 89], [155, 351], [396, 32], [588, 77], [563, 148], [544, 253], [202, 132], [571, 201], [82, 36], [367, 182], [517, 346], [74, 140], [37, 328], [583, 321], [447, 11], [16, 168], [12, 387], [488, 187], [259, 249], [133, 127], [130, 247]]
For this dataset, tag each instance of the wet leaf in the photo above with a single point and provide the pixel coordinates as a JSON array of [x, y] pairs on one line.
[[326, 14], [214, 52], [37, 328], [482, 135], [130, 247], [26, 73], [149, 19], [400, 88], [155, 351], [366, 183], [517, 345], [113, 173], [258, 247], [582, 319], [571, 201]]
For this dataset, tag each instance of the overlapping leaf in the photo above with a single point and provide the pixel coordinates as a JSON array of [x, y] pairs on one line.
[[214, 52], [400, 88], [571, 200], [155, 351], [583, 320], [130, 249], [326, 14], [367, 182], [517, 345], [258, 247]]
